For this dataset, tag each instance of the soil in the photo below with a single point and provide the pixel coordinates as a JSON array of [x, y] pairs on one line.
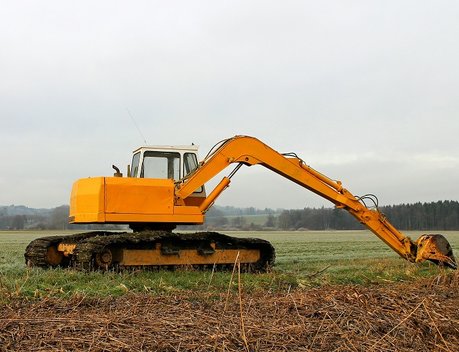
[[414, 316]]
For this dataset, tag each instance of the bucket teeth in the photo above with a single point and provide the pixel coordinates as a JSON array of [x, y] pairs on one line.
[[437, 249]]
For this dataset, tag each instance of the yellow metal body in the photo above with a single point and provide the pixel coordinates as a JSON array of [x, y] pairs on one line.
[[129, 257], [129, 200], [66, 248], [154, 256], [134, 200]]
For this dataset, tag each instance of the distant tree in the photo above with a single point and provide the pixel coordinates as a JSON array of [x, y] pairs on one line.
[[284, 220], [59, 218], [215, 218], [18, 222], [219, 221], [238, 222], [270, 221]]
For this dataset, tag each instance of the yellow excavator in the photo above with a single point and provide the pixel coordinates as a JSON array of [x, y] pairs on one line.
[[165, 187]]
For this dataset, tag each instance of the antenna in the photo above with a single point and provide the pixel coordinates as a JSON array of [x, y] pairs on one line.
[[135, 124]]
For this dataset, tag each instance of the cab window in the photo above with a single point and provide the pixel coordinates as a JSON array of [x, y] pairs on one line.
[[135, 165], [161, 165], [190, 163]]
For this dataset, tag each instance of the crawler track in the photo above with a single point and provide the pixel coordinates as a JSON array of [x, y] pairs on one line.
[[91, 244]]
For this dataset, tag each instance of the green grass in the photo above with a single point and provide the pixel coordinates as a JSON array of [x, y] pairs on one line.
[[350, 257], [303, 259]]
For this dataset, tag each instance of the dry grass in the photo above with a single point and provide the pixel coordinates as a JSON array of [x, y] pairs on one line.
[[415, 316]]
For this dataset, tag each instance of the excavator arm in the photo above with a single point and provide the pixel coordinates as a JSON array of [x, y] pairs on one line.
[[244, 150]]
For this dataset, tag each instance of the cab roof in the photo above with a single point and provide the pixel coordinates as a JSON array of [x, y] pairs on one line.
[[169, 148]]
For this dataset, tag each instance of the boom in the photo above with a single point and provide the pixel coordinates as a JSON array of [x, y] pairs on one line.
[[244, 150]]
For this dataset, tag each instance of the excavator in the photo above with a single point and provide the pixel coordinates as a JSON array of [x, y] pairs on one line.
[[165, 187]]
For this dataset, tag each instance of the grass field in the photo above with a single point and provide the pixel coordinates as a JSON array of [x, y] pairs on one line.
[[303, 260]]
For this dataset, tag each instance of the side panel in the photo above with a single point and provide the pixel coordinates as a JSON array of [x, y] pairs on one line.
[[138, 196], [128, 200], [87, 201]]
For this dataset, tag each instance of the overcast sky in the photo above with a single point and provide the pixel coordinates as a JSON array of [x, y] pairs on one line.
[[367, 92]]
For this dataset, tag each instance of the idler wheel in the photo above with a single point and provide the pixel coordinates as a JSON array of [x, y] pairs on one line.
[[104, 259]]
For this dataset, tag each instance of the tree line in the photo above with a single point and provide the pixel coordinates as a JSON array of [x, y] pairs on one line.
[[24, 218], [21, 218], [441, 215]]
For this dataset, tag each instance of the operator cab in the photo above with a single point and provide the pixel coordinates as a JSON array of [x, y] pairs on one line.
[[167, 162], [164, 162]]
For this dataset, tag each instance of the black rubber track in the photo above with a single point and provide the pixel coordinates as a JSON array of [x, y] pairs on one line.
[[91, 243]]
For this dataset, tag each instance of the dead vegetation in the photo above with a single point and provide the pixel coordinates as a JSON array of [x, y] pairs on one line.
[[419, 316]]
